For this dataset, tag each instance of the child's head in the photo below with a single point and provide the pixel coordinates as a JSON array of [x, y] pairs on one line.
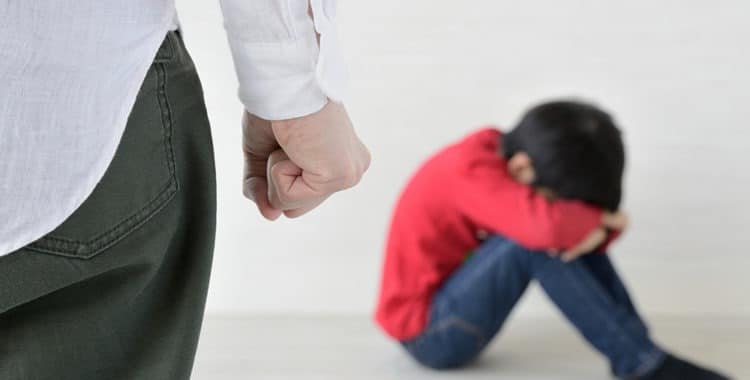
[[570, 150]]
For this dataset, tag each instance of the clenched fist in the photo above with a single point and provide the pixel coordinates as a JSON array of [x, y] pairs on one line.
[[292, 166]]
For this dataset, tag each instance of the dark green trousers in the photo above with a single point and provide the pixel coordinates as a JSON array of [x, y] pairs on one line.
[[118, 290]]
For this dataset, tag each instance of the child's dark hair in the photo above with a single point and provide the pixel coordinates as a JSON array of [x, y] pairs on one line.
[[576, 150]]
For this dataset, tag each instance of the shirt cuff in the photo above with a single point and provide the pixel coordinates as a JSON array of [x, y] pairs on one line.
[[291, 77]]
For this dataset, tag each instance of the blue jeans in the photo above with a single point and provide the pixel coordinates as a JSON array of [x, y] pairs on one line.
[[470, 308]]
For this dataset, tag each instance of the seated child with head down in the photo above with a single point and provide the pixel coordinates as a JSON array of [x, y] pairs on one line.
[[494, 211]]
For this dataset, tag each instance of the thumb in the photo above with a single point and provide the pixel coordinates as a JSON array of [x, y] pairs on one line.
[[256, 189]]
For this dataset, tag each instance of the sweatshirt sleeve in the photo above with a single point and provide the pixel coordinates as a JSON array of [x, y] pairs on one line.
[[493, 200]]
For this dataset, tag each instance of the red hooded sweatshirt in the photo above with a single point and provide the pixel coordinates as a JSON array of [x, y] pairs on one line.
[[461, 190]]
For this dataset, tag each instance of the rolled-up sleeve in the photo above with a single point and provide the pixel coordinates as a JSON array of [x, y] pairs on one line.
[[286, 54]]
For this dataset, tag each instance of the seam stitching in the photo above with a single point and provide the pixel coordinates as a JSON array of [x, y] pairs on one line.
[[87, 249]]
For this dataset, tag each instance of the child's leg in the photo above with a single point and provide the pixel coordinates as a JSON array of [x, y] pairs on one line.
[[603, 270], [671, 367], [596, 302], [472, 305]]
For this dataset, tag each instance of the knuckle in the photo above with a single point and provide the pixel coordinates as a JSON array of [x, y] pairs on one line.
[[351, 176], [276, 172], [342, 176]]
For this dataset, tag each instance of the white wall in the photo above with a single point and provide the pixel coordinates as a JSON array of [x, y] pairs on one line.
[[424, 72]]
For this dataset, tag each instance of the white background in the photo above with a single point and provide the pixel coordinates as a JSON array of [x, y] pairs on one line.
[[424, 72]]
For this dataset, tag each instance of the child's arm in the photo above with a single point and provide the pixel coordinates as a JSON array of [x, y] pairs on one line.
[[500, 204], [613, 224]]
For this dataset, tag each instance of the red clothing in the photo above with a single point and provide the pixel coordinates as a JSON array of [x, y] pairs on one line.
[[462, 189]]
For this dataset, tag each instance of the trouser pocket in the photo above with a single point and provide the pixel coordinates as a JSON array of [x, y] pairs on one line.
[[139, 181]]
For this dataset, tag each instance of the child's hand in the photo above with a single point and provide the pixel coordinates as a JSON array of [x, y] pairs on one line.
[[615, 221], [595, 239]]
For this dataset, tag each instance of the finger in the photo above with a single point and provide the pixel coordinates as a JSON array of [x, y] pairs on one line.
[[258, 143], [616, 221], [278, 180], [254, 166], [325, 146], [255, 186], [274, 158], [304, 210], [570, 256], [289, 190], [576, 252], [609, 220], [256, 189], [591, 242], [573, 253]]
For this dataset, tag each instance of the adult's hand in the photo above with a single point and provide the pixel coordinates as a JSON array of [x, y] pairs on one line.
[[292, 166]]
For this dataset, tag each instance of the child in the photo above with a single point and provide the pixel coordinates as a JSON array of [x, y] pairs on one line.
[[553, 183]]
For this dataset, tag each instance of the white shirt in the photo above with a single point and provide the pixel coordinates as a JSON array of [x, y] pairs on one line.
[[70, 71]]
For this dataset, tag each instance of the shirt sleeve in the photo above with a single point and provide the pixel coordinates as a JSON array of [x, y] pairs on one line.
[[286, 55], [502, 205]]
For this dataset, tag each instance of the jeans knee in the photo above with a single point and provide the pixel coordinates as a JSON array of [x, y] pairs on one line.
[[445, 355]]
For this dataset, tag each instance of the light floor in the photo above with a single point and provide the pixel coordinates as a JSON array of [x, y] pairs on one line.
[[351, 348]]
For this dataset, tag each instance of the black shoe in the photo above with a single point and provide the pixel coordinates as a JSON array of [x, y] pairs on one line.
[[674, 368]]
